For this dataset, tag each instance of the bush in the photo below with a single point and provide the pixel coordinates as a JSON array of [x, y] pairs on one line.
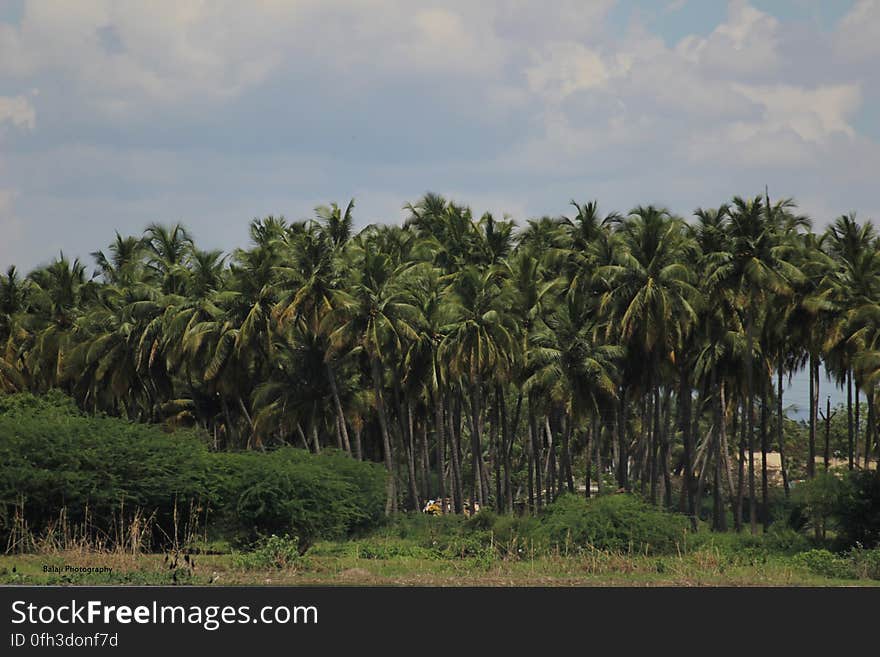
[[290, 490], [392, 550], [866, 563], [825, 563], [55, 458], [858, 510], [270, 552], [817, 500], [618, 523], [102, 471], [784, 540]]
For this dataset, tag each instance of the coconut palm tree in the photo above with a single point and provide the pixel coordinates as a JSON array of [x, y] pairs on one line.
[[753, 263], [478, 344], [650, 304], [372, 317]]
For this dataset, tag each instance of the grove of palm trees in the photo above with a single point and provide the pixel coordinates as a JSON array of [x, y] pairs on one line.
[[494, 364]]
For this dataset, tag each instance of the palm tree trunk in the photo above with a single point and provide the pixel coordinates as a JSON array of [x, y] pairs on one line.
[[550, 467], [338, 433], [646, 449], [684, 401], [231, 434], [340, 414], [251, 439], [497, 433], [508, 448], [750, 399], [425, 461], [814, 411], [597, 432], [566, 453], [665, 448], [719, 515], [725, 447], [485, 480], [655, 444], [765, 490], [456, 453], [740, 482], [358, 449], [531, 456], [856, 417], [590, 439], [849, 418], [536, 453], [826, 452], [623, 452], [869, 429], [476, 448], [441, 448], [780, 426], [316, 441], [302, 436], [410, 458], [391, 488]]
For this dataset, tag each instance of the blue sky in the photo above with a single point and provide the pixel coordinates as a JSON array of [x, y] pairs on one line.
[[117, 114]]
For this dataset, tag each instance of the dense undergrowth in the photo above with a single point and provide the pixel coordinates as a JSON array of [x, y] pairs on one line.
[[78, 484], [69, 478]]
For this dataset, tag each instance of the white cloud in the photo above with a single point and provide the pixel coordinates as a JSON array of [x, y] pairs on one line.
[[812, 114], [858, 34], [563, 68], [745, 44], [18, 111]]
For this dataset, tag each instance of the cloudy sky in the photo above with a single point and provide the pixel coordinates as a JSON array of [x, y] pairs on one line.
[[117, 114]]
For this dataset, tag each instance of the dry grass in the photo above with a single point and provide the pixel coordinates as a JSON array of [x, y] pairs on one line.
[[702, 568], [131, 531]]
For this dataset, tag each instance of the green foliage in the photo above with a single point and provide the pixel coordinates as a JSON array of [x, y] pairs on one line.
[[825, 563], [819, 498], [53, 403], [292, 490], [866, 563], [621, 523], [102, 470], [95, 468], [394, 549], [858, 510], [270, 552], [785, 540]]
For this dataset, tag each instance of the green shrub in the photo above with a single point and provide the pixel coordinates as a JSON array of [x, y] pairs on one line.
[[290, 490], [825, 563], [270, 552], [101, 471], [865, 563], [784, 540], [858, 510], [392, 550], [55, 458], [423, 528], [618, 523], [817, 500]]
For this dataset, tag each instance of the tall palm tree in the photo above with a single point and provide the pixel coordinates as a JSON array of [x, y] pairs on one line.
[[575, 369], [373, 317], [650, 302], [478, 344]]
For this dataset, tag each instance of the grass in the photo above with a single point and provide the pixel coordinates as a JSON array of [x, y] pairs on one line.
[[387, 560]]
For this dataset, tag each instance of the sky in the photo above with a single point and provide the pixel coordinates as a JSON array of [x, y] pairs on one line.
[[117, 114]]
